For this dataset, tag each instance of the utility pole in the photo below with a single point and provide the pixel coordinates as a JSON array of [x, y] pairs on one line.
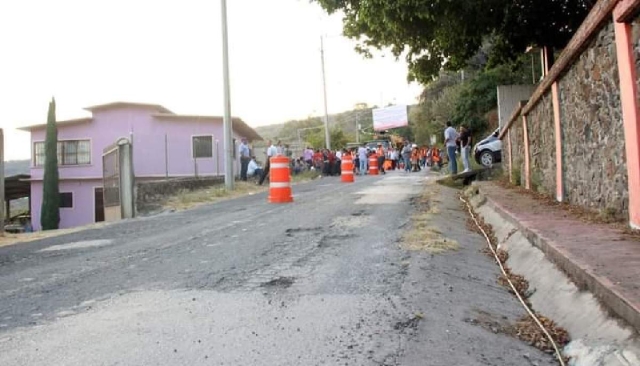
[[227, 122], [1, 182], [327, 136], [357, 127]]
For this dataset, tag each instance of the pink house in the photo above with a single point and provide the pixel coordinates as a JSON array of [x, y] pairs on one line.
[[165, 144]]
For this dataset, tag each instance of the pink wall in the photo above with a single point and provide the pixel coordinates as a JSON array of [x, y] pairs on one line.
[[149, 142], [83, 212], [107, 126]]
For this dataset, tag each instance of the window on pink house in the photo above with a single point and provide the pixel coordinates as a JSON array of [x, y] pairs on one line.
[[202, 146], [70, 152]]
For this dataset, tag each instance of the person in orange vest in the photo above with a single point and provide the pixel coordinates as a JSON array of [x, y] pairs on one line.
[[415, 159], [381, 158], [435, 156]]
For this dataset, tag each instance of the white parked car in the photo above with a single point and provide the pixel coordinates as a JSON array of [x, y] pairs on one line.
[[489, 150]]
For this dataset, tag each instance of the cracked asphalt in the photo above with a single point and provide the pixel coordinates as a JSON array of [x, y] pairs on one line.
[[322, 281]]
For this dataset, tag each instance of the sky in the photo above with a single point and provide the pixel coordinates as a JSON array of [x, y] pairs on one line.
[[168, 52]]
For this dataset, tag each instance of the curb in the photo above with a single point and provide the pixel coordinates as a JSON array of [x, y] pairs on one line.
[[580, 273]]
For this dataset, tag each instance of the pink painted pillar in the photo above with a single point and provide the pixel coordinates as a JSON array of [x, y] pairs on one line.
[[555, 96], [527, 163], [628, 96], [510, 156]]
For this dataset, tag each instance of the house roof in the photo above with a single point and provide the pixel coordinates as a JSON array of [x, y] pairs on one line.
[[58, 123], [113, 105], [238, 124], [17, 186], [160, 112]]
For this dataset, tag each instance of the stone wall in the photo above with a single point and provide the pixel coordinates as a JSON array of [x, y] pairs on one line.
[[594, 159], [542, 146], [150, 194]]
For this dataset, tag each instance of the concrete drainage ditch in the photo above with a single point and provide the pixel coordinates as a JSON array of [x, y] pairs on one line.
[[597, 339]]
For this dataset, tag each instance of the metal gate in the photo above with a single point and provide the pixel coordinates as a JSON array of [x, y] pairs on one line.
[[117, 181], [111, 183]]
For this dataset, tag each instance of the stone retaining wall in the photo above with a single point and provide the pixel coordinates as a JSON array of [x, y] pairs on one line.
[[595, 171], [592, 131], [150, 194], [542, 148]]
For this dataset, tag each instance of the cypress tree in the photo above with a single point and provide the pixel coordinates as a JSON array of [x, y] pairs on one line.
[[50, 210]]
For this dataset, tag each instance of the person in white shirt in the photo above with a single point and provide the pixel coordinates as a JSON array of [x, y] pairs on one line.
[[363, 156], [253, 169], [271, 152], [450, 138]]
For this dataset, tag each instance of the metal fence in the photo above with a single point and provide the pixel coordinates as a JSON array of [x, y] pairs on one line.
[[111, 177]]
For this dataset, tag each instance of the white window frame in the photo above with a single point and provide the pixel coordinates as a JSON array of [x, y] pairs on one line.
[[213, 141], [33, 147]]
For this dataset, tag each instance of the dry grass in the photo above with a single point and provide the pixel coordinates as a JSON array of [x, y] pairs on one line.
[[185, 200], [423, 235], [428, 239]]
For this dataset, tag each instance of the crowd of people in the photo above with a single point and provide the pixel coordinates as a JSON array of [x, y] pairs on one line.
[[408, 157]]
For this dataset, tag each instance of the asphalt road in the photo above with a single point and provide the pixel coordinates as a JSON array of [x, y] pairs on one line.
[[322, 281]]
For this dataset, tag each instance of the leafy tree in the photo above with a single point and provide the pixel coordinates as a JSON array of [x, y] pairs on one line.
[[339, 138], [50, 210], [433, 34]]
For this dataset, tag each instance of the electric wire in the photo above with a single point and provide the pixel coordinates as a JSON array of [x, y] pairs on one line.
[[504, 272]]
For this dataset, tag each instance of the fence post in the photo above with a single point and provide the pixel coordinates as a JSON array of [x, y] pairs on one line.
[[126, 179]]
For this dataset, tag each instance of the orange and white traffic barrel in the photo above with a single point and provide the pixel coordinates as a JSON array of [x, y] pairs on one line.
[[280, 180], [347, 169], [373, 165]]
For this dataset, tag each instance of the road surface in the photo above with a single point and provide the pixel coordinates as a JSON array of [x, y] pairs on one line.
[[321, 281]]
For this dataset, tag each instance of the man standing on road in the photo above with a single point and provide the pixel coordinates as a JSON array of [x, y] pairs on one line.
[[245, 157], [450, 137], [406, 156], [271, 152], [362, 156]]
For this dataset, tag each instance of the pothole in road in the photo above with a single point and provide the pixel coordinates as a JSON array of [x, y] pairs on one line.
[[280, 282], [353, 221], [411, 323], [301, 230], [329, 240], [77, 245]]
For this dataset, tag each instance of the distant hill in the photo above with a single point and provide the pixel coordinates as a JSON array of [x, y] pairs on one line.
[[15, 167], [345, 121]]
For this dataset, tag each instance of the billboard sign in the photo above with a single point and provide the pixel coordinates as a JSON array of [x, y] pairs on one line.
[[390, 117]]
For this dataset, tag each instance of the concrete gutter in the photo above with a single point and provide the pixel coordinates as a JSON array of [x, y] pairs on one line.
[[563, 290]]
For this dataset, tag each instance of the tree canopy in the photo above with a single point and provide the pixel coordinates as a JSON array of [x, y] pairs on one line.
[[437, 34]]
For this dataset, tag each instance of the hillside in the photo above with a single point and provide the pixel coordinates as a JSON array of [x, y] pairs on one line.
[[345, 122], [15, 167]]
